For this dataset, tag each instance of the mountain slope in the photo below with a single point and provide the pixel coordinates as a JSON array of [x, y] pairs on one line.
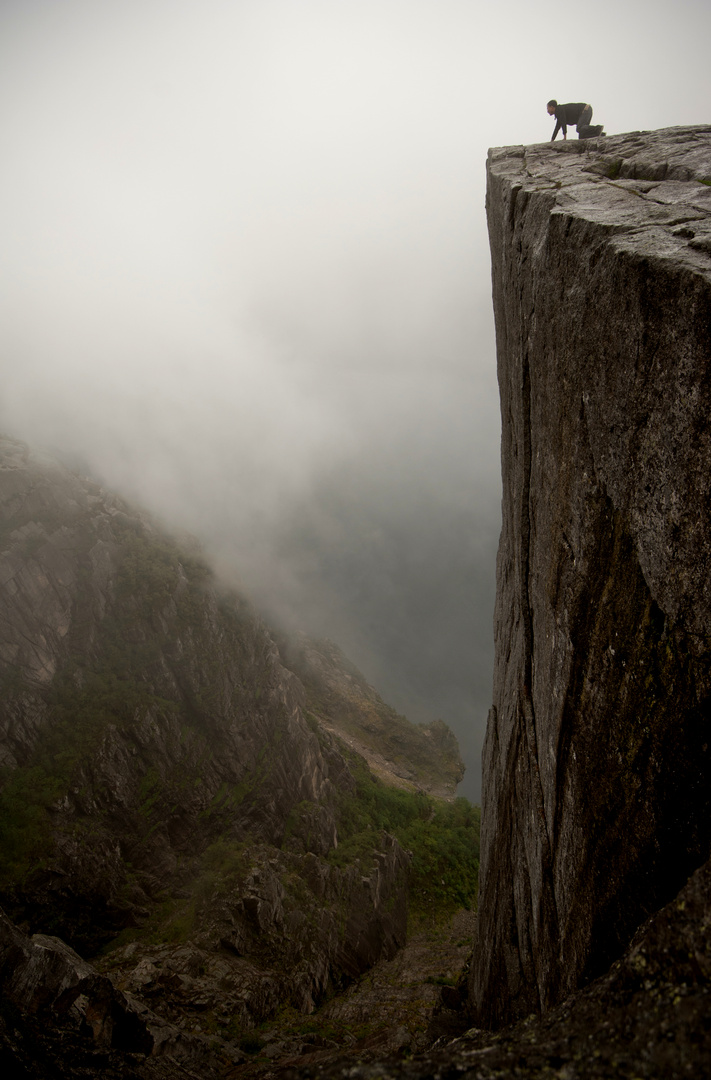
[[172, 794], [412, 757]]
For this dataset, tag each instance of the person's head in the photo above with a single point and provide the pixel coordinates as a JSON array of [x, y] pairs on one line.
[[552, 106]]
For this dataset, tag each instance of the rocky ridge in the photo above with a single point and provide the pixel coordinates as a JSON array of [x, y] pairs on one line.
[[150, 710]]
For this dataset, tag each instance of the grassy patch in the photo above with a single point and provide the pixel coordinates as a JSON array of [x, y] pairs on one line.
[[443, 838], [25, 834]]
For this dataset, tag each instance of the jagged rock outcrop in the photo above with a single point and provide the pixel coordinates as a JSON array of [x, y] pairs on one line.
[[597, 764], [281, 932]]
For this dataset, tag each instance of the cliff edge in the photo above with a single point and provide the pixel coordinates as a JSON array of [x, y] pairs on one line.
[[596, 800]]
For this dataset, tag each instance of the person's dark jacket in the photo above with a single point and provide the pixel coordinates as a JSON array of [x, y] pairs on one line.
[[567, 114]]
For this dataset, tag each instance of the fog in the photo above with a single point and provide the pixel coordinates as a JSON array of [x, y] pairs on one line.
[[245, 280]]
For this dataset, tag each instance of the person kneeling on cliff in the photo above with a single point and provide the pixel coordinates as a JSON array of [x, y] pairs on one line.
[[573, 113]]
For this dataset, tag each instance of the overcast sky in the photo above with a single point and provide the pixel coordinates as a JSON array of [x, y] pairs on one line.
[[244, 274]]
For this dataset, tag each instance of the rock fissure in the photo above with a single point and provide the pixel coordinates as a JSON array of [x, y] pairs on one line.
[[528, 717]]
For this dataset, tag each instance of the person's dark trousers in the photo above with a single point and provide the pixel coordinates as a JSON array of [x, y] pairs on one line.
[[584, 121]]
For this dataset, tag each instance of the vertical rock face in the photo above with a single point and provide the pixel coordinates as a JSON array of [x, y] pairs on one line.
[[597, 792]]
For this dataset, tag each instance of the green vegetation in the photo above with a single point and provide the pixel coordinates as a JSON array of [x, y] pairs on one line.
[[443, 838], [289, 1023], [222, 869], [25, 837], [445, 860]]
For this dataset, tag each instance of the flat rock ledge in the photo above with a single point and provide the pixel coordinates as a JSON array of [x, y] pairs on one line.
[[632, 183]]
